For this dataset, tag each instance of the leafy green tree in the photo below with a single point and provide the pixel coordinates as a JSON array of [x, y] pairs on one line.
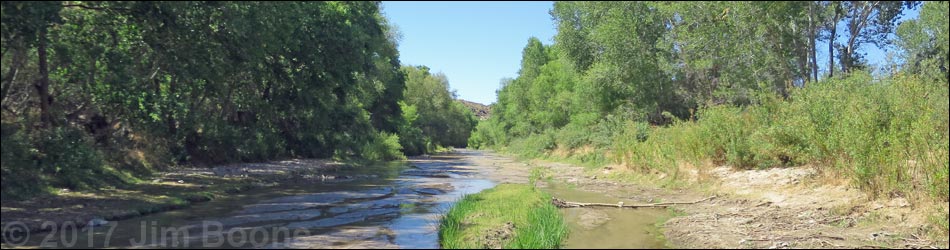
[[200, 82], [867, 22], [657, 61], [442, 120], [924, 42], [27, 24]]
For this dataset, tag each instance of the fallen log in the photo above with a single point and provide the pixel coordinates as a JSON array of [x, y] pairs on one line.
[[567, 204]]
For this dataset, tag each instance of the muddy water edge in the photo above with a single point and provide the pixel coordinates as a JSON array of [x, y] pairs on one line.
[[603, 227], [399, 207]]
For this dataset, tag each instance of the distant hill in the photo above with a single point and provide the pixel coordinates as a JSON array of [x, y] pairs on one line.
[[481, 111]]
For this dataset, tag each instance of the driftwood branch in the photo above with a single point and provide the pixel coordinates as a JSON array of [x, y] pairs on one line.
[[791, 238], [94, 7], [565, 204]]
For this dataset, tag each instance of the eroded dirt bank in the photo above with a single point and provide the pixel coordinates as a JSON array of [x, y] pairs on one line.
[[775, 208]]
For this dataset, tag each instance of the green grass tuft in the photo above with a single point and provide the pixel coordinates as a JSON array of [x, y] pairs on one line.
[[508, 216]]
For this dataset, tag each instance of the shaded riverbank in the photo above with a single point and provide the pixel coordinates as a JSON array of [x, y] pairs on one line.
[[379, 206], [175, 189]]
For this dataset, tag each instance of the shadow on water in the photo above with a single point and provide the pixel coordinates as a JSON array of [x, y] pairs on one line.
[[399, 209]]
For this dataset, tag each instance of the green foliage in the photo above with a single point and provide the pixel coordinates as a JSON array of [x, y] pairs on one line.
[[27, 19], [64, 154], [434, 118], [20, 178], [888, 135], [534, 146], [545, 229], [943, 223], [489, 133], [59, 157], [144, 85], [655, 86], [384, 147], [535, 175], [474, 221], [645, 62], [925, 42], [411, 138]]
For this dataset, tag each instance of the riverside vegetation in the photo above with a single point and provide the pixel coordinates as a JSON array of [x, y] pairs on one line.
[[506, 216], [99, 96], [103, 94], [664, 88]]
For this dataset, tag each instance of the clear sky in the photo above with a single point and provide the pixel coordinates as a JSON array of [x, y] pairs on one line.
[[476, 44]]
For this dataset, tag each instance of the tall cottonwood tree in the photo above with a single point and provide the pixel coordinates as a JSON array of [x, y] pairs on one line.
[[198, 82], [650, 61], [865, 22], [924, 42]]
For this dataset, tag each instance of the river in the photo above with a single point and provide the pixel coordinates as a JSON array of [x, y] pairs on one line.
[[399, 209]]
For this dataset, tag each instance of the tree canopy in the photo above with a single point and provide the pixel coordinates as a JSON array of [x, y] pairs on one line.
[[148, 84]]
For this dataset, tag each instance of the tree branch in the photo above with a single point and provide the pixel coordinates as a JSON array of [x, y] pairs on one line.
[[94, 7], [563, 204]]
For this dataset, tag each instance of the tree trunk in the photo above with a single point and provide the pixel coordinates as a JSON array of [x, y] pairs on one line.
[[170, 121], [813, 42], [831, 40], [786, 73], [42, 85], [846, 62], [857, 23], [804, 71], [19, 55]]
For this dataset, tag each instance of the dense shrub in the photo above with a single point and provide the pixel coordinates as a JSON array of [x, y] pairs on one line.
[[59, 157], [20, 177], [383, 147], [441, 119], [887, 135]]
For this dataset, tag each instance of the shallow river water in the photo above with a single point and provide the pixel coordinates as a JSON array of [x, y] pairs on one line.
[[400, 209]]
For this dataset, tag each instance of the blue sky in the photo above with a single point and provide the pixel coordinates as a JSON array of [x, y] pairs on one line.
[[476, 44]]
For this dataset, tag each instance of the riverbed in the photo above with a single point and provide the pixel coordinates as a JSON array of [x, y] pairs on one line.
[[399, 208]]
